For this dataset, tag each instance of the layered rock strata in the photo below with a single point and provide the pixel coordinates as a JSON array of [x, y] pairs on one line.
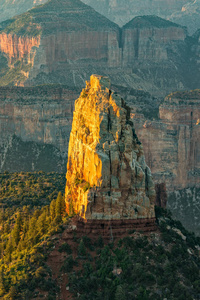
[[171, 143], [107, 177], [35, 125], [66, 41], [184, 12]]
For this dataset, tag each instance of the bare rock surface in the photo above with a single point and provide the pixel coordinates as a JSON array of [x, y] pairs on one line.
[[107, 177]]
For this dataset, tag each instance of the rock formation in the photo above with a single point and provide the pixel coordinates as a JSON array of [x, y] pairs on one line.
[[65, 41], [184, 12], [107, 177], [171, 143], [185, 206]]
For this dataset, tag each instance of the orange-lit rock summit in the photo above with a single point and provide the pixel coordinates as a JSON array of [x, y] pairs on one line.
[[107, 177]]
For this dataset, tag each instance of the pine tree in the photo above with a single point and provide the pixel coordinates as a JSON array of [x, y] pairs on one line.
[[9, 249], [32, 233], [2, 283], [60, 205], [53, 209], [13, 293], [120, 294], [6, 228], [42, 224], [17, 230], [81, 248]]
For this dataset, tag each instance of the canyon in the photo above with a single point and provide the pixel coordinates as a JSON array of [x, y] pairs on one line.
[[147, 53], [168, 129], [36, 123], [146, 59]]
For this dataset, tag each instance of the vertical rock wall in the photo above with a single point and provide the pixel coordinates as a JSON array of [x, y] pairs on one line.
[[107, 177]]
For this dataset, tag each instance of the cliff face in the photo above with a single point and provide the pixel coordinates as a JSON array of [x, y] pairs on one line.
[[43, 115], [35, 126], [185, 205], [40, 117], [147, 38], [60, 42], [171, 143], [107, 177], [18, 47]]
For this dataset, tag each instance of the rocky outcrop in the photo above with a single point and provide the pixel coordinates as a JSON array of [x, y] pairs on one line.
[[107, 177]]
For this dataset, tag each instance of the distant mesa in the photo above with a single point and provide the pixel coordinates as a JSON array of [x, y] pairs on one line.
[[65, 41], [107, 177], [150, 21]]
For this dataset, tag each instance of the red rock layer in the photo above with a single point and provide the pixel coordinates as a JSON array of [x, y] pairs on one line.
[[113, 228], [18, 47]]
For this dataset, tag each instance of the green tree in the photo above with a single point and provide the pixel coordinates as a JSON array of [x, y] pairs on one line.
[[53, 209], [13, 293], [60, 205], [42, 224], [81, 248], [120, 293], [17, 230], [2, 283], [9, 249]]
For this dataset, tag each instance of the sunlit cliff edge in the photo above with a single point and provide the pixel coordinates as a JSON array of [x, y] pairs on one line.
[[107, 177]]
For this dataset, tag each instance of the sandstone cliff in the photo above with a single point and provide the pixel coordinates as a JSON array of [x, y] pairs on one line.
[[107, 177], [66, 41], [171, 143]]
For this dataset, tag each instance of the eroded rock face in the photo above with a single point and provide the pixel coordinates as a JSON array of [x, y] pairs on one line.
[[35, 124], [107, 177], [65, 41], [171, 143]]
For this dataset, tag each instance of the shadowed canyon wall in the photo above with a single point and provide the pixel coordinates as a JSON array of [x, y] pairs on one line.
[[35, 124]]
